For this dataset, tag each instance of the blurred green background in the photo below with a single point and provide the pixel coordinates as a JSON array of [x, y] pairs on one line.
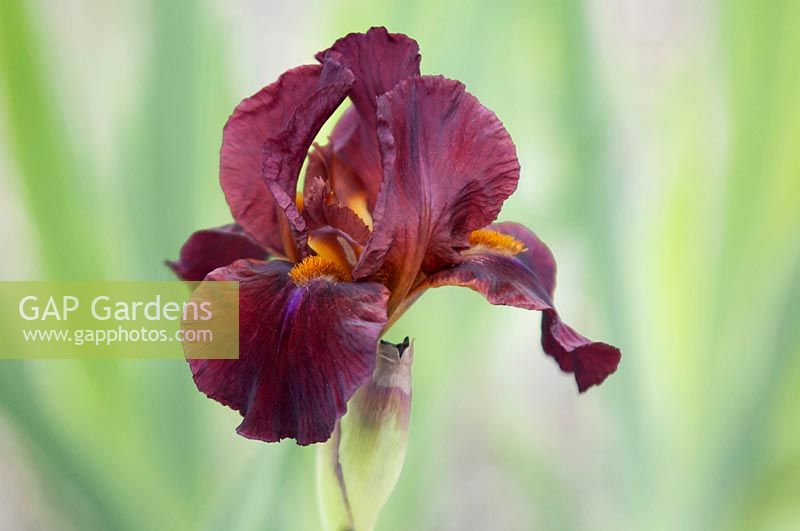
[[659, 147]]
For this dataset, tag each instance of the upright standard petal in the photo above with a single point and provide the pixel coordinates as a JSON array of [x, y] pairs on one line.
[[520, 271], [208, 249], [265, 115], [448, 165], [303, 351], [379, 60], [285, 152], [356, 144]]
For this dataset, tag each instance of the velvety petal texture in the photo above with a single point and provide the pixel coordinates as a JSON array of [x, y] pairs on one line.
[[208, 249], [448, 166], [401, 199], [304, 350], [526, 280]]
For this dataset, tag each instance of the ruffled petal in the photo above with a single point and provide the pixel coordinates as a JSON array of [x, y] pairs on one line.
[[448, 166], [523, 280], [379, 60], [303, 351], [285, 152], [331, 185], [255, 119], [267, 114], [324, 164], [208, 249], [591, 361]]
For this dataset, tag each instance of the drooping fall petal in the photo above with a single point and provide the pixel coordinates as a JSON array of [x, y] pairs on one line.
[[285, 152], [303, 351], [591, 361], [448, 165], [537, 256], [267, 114], [379, 60], [525, 278], [208, 249]]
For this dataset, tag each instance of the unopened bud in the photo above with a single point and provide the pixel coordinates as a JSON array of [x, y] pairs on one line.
[[359, 466]]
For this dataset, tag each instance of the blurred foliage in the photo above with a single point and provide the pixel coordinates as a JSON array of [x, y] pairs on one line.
[[658, 145]]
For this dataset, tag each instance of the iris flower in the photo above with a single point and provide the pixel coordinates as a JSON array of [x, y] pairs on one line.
[[401, 199]]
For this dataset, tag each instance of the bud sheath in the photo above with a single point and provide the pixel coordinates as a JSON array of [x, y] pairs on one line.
[[358, 467]]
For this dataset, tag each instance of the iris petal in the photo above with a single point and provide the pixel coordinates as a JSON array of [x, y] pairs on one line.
[[448, 165], [303, 352], [379, 60], [527, 281], [285, 152], [355, 143], [267, 114], [537, 256], [264, 114], [332, 190], [208, 249], [335, 245]]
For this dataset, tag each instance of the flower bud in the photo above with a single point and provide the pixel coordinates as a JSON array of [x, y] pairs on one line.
[[358, 467]]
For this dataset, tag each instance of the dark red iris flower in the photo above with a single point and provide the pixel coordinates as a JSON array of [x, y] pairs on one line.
[[402, 199]]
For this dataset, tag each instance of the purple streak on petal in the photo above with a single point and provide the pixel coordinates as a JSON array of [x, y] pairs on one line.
[[538, 257], [294, 302], [304, 350]]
